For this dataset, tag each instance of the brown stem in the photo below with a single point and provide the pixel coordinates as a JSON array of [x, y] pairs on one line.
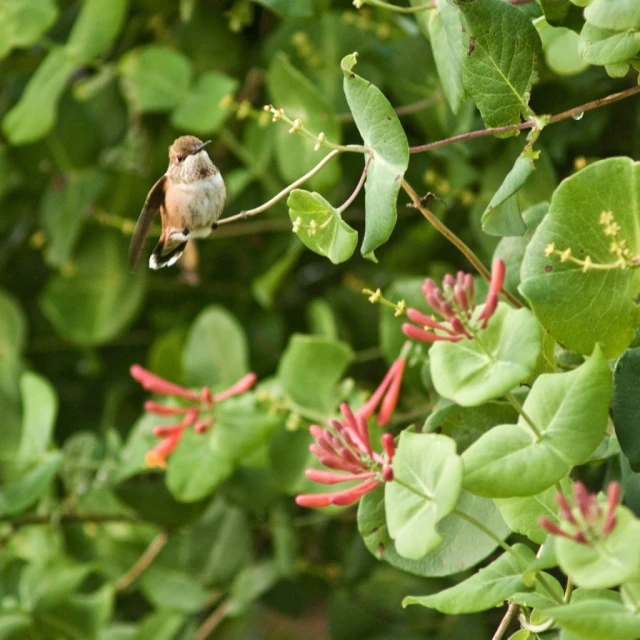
[[529, 124], [511, 613], [216, 617], [143, 561], [416, 202]]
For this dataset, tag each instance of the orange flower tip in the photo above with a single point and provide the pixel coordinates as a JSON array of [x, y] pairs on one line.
[[154, 460], [313, 500], [137, 372], [613, 494], [498, 271]]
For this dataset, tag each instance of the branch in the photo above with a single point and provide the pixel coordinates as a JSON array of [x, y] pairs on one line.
[[243, 215], [511, 613], [216, 617], [416, 203], [143, 562], [356, 191], [529, 124]]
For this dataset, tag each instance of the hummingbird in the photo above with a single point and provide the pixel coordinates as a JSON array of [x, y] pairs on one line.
[[190, 197]]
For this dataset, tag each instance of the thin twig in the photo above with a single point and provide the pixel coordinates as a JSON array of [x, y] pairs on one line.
[[143, 561], [216, 617], [356, 191], [511, 613], [243, 215], [529, 124]]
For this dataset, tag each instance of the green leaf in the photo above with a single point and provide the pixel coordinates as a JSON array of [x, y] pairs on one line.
[[611, 562], [597, 619], [96, 28], [561, 50], [570, 411], [580, 309], [463, 546], [445, 33], [154, 78], [22, 23], [605, 46], [289, 8], [486, 589], [202, 111], [428, 464], [29, 488], [309, 370], [267, 285], [63, 210], [301, 99], [172, 588], [35, 113], [505, 221], [523, 514], [466, 424], [471, 372], [13, 327], [620, 15], [626, 405], [96, 302], [499, 70], [322, 228], [382, 132], [39, 410], [216, 350]]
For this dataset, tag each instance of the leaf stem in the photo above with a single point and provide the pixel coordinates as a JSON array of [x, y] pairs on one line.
[[518, 407], [356, 191], [512, 612], [143, 561], [243, 215], [529, 124]]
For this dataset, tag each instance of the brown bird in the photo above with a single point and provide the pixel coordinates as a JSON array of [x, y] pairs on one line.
[[190, 197]]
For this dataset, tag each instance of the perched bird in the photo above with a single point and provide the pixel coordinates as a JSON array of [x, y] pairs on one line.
[[190, 197]]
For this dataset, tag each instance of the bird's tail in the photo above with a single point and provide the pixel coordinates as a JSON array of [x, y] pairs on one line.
[[167, 251]]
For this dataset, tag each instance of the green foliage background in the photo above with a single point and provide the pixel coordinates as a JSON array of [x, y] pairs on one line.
[[91, 95]]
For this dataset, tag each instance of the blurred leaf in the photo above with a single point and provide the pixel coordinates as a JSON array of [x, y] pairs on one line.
[[289, 8], [558, 292], [13, 327], [322, 319], [498, 70], [95, 29], [626, 405], [154, 78], [313, 387], [428, 464], [322, 228], [561, 50], [172, 589], [63, 210], [93, 305], [383, 134], [249, 585], [216, 350], [22, 493], [23, 22], [620, 15], [266, 286], [201, 111], [163, 625], [606, 46], [35, 113], [302, 100], [40, 407]]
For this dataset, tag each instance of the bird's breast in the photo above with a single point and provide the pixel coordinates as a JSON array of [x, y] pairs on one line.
[[195, 205]]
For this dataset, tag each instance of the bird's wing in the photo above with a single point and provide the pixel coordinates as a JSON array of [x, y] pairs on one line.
[[151, 206]]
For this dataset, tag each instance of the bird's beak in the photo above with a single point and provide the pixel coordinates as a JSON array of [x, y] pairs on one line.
[[200, 148]]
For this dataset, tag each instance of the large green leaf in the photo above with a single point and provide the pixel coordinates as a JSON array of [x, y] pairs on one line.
[[569, 410], [301, 99], [383, 134], [626, 405], [606, 46], [216, 350], [499, 69], [39, 410], [471, 372], [23, 22], [426, 463], [463, 546], [620, 15], [94, 303], [485, 589], [578, 308], [321, 227]]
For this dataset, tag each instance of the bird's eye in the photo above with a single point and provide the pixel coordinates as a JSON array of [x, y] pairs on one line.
[[179, 158]]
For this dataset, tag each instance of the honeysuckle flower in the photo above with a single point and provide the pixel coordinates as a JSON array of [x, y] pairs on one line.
[[586, 521], [197, 412], [345, 446], [455, 304]]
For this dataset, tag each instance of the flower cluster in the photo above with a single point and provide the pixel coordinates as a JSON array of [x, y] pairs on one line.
[[345, 446], [198, 413], [586, 521], [455, 304]]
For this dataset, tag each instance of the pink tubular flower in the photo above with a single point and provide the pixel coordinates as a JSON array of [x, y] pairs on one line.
[[585, 522], [345, 446], [455, 304], [192, 414]]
